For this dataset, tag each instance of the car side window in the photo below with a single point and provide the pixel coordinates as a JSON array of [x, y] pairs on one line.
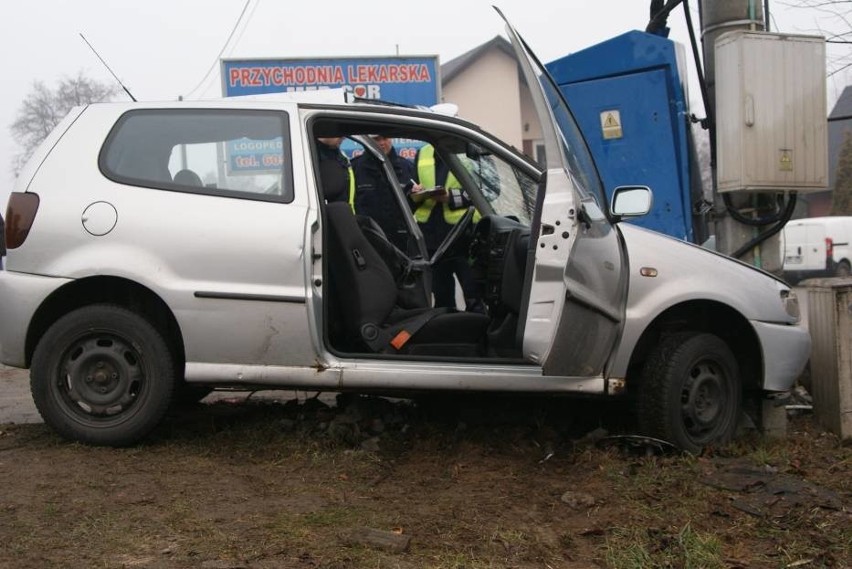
[[230, 153]]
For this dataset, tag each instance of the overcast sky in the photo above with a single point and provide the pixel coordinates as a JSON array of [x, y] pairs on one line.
[[164, 48]]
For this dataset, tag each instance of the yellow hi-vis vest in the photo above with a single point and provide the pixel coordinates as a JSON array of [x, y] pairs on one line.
[[351, 188], [426, 173]]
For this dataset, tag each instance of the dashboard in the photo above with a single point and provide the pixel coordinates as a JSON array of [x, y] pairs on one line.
[[498, 251]]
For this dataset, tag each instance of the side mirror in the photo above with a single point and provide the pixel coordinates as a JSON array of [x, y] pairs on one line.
[[631, 201]]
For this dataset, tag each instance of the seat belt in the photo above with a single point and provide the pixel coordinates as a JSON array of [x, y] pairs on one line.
[[400, 333]]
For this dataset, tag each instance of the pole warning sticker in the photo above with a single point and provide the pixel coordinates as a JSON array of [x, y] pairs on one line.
[[611, 124], [785, 160]]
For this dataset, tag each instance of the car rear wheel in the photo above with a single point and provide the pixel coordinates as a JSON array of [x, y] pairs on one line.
[[843, 269], [690, 392], [102, 375]]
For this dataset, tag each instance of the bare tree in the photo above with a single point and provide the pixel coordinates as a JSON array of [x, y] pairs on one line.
[[44, 108], [841, 197], [832, 19]]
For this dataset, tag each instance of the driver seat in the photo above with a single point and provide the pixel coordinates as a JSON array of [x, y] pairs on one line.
[[365, 294]]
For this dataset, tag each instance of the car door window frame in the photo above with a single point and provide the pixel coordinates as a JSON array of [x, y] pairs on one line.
[[429, 124]]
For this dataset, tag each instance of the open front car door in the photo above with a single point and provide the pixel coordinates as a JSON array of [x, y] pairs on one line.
[[577, 288]]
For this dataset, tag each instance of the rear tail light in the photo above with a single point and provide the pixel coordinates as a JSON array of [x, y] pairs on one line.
[[829, 248], [20, 215]]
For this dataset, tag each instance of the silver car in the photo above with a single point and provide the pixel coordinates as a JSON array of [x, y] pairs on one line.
[[156, 251]]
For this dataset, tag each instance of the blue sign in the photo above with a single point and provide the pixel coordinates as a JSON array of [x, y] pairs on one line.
[[253, 156], [405, 80]]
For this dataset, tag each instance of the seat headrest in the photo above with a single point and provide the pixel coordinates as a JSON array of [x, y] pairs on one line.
[[188, 178]]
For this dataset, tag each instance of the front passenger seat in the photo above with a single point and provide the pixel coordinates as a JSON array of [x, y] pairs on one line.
[[366, 294]]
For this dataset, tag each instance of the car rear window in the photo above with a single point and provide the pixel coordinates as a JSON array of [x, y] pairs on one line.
[[231, 153]]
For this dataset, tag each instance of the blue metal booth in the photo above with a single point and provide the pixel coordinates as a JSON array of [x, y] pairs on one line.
[[628, 97]]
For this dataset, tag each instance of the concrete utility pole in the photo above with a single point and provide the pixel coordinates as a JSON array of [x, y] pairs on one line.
[[717, 18]]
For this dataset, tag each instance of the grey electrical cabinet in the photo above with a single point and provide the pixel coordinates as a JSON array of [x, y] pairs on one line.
[[771, 121]]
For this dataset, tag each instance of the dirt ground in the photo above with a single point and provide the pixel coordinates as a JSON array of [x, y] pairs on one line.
[[445, 483]]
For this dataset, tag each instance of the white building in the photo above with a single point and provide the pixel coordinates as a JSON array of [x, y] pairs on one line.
[[489, 89]]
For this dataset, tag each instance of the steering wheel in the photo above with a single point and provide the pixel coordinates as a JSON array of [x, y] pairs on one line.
[[455, 233]]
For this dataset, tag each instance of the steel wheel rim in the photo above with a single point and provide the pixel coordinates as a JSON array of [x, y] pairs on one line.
[[101, 377], [705, 400]]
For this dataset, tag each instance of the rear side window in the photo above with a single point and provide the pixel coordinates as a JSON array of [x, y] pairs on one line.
[[243, 154]]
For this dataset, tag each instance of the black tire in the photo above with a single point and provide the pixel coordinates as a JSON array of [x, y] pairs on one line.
[[102, 375], [690, 392], [843, 269]]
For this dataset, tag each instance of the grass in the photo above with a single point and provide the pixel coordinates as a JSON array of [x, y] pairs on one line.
[[335, 517], [238, 486], [633, 548]]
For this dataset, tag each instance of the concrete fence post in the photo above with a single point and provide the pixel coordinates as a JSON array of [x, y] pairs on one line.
[[830, 326]]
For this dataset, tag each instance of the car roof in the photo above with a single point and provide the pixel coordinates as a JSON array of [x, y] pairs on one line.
[[331, 100], [320, 98]]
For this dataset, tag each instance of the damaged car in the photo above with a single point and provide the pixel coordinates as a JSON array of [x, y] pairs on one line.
[[157, 251]]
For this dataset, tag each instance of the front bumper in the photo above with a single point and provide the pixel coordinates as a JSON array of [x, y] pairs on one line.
[[21, 295], [786, 350]]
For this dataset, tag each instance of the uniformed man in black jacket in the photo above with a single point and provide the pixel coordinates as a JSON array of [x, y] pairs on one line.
[[374, 195], [336, 179]]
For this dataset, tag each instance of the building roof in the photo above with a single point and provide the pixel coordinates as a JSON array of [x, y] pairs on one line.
[[455, 66], [843, 107]]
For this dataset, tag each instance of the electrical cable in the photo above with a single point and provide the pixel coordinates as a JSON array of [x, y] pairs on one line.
[[708, 122], [788, 213], [221, 51], [753, 221], [658, 20], [245, 27], [782, 216]]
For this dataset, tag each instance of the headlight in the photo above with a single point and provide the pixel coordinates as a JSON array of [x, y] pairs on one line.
[[791, 304]]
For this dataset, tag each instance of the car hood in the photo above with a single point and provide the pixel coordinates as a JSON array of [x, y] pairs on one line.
[[686, 272]]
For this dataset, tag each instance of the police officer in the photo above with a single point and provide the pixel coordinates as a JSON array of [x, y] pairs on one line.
[[336, 177], [437, 215], [374, 195]]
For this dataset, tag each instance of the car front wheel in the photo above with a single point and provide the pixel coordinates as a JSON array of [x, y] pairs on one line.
[[102, 375], [690, 391]]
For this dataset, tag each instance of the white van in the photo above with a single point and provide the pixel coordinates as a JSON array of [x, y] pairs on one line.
[[818, 247]]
